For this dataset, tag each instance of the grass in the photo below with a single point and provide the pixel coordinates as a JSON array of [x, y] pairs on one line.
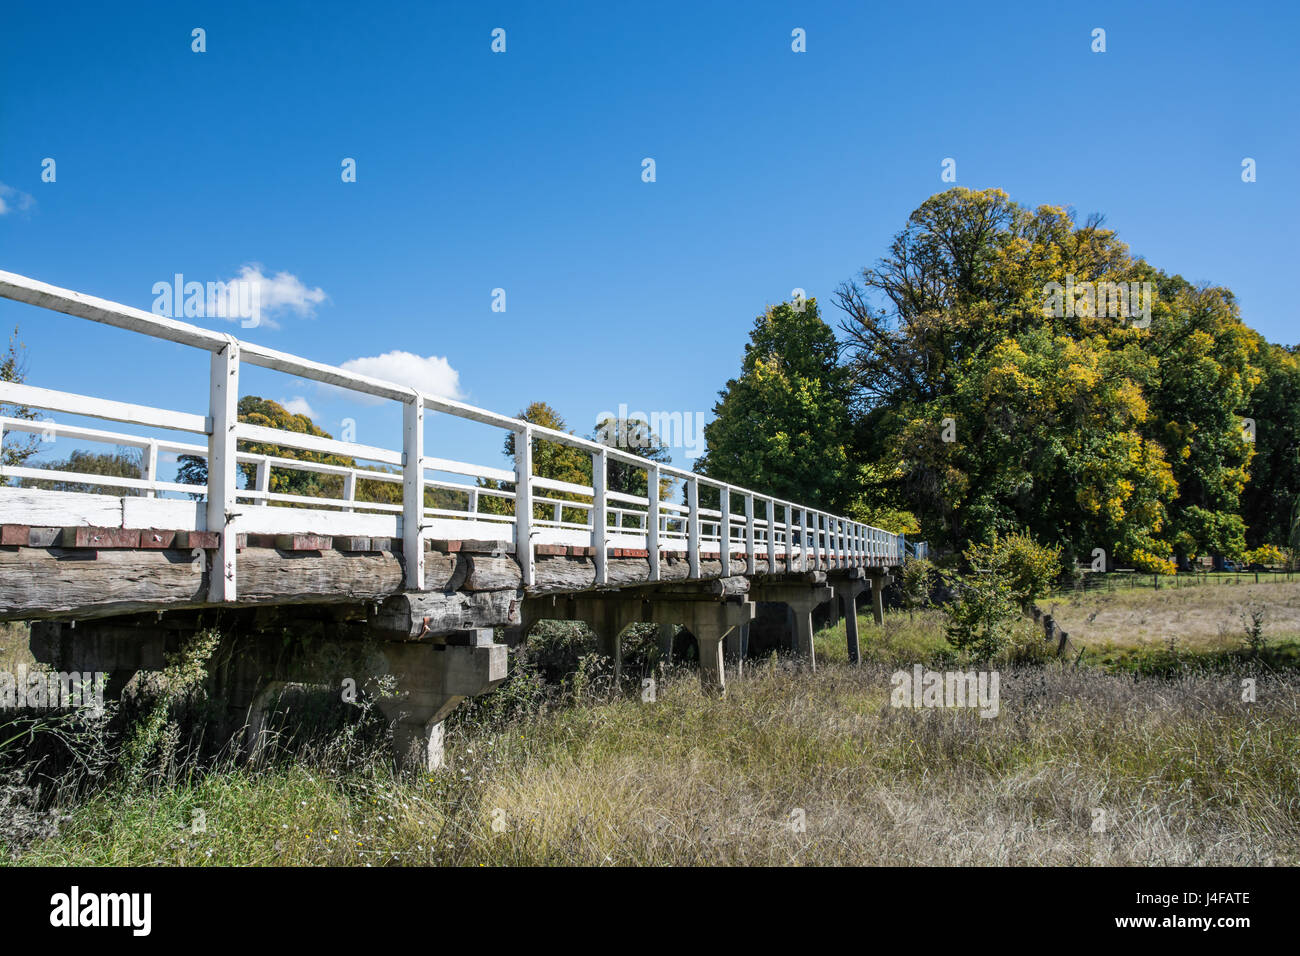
[[1186, 773], [790, 768], [1127, 628]]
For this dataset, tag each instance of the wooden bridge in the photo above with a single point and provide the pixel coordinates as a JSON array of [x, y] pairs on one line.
[[367, 589]]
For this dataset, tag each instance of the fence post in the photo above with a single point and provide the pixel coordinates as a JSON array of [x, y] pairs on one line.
[[413, 490], [350, 489], [724, 529], [524, 504], [652, 519], [751, 542], [151, 470], [817, 520], [223, 404], [599, 513], [693, 526], [771, 536]]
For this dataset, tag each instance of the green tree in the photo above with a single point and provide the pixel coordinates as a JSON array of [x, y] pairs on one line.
[[991, 407], [254, 410], [551, 459], [783, 426], [13, 367], [1269, 499]]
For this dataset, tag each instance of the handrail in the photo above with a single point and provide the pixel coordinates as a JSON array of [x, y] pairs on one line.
[[808, 536]]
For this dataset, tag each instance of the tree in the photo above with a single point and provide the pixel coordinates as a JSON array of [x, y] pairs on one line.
[[632, 435], [783, 426], [1270, 497], [254, 410], [1016, 369], [13, 368], [120, 463], [552, 460]]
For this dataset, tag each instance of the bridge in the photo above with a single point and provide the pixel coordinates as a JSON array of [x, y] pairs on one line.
[[402, 595]]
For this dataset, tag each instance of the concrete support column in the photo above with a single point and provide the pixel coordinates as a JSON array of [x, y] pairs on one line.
[[608, 617], [801, 599], [710, 622], [847, 591], [432, 679], [879, 579], [666, 634]]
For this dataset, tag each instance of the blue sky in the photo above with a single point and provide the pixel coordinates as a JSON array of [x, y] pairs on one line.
[[522, 171]]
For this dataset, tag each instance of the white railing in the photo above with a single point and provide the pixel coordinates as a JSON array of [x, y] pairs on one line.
[[744, 528]]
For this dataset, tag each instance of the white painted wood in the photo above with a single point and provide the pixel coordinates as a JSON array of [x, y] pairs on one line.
[[600, 513], [524, 504], [464, 468], [751, 542], [151, 467], [724, 530], [693, 526], [166, 514], [652, 520], [12, 393], [328, 446], [413, 489], [567, 487], [771, 536], [223, 410], [60, 430], [108, 481], [22, 289], [67, 509], [662, 526]]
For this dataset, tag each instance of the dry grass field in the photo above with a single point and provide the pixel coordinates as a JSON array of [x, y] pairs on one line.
[[1204, 618], [1086, 765]]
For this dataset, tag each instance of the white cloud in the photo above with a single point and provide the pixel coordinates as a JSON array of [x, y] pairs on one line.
[[433, 375], [14, 199], [298, 406], [282, 291]]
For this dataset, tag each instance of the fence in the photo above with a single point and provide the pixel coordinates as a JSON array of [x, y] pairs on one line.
[[746, 526]]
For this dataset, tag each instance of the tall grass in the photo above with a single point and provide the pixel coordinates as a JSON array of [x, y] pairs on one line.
[[1184, 771]]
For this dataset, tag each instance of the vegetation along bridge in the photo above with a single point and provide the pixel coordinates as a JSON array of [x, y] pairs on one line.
[[403, 593]]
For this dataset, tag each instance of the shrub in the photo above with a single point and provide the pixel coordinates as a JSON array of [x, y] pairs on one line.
[[1146, 562], [919, 576], [1024, 566]]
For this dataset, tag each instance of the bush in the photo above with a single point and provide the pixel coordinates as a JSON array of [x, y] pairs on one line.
[[1146, 562], [918, 578], [1024, 566], [1266, 554]]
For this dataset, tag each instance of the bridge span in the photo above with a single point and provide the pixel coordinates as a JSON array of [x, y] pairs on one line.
[[401, 592]]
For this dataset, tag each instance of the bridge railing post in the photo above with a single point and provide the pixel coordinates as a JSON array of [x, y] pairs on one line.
[[751, 542], [524, 504], [817, 519], [223, 405], [789, 537], [600, 513], [652, 519], [771, 536], [724, 529], [413, 490], [693, 526]]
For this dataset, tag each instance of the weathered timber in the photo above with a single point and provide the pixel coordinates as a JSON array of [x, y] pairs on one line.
[[37, 583], [418, 614]]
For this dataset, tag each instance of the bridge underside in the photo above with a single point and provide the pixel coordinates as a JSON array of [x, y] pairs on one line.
[[117, 599]]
